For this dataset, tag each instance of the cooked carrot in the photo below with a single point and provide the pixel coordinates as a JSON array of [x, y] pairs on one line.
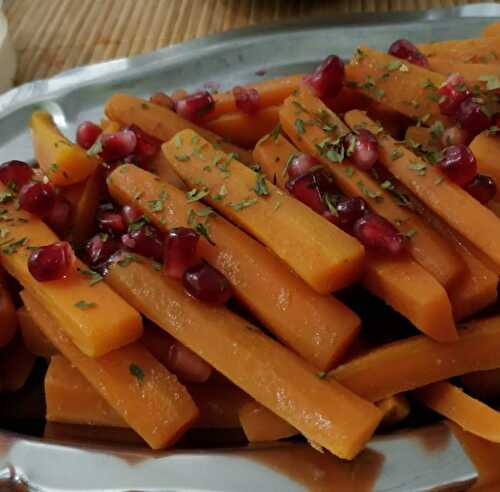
[[475, 74], [421, 361], [470, 414], [492, 29], [395, 409], [317, 327], [8, 319], [322, 254], [34, 340], [260, 424], [494, 206], [480, 50], [330, 416], [483, 384], [245, 129], [486, 149], [16, 364], [424, 244], [420, 135], [407, 88], [139, 389], [109, 126], [163, 169], [393, 121], [160, 122], [445, 198], [64, 162]]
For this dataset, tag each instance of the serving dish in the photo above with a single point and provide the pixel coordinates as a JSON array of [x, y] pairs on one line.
[[424, 459]]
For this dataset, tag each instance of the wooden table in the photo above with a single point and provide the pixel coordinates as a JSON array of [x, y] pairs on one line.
[[53, 35]]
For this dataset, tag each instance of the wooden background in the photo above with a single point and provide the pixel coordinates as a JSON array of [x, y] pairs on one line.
[[53, 35]]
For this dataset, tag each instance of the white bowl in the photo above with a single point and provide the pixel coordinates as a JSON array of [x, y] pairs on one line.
[[7, 55]]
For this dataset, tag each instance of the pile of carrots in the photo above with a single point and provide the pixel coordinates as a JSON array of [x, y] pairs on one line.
[[264, 180]]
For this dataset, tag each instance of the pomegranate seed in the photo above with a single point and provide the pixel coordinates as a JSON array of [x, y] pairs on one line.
[[15, 174], [59, 217], [406, 50], [362, 148], [377, 233], [187, 365], [146, 148], [307, 189], [37, 198], [131, 214], [51, 262], [161, 99], [180, 251], [100, 248], [459, 164], [87, 134], [145, 242], [195, 106], [349, 211], [471, 116], [112, 222], [116, 146], [482, 188], [301, 165], [452, 93], [327, 80], [455, 135], [247, 99], [207, 284]]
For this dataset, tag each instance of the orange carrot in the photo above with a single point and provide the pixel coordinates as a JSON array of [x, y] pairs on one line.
[[34, 340], [395, 409], [480, 50], [492, 29], [494, 206], [393, 121], [483, 384], [8, 320], [486, 149], [268, 372], [420, 135], [445, 198], [139, 389], [322, 254], [163, 169], [317, 327], [16, 364], [473, 73]]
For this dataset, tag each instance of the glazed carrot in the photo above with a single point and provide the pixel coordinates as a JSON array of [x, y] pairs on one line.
[[260, 424], [8, 320], [425, 245], [16, 364], [471, 415], [393, 121], [139, 389], [473, 73], [328, 415], [421, 361], [494, 206], [34, 340], [91, 329], [483, 384], [445, 198], [480, 50], [420, 135], [406, 88], [109, 126], [245, 129], [322, 254], [64, 162], [317, 327], [492, 29], [163, 169], [160, 122], [395, 409], [486, 149]]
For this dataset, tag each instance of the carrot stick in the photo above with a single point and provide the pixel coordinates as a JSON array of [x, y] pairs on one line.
[[139, 389], [163, 169], [480, 50], [473, 73], [494, 206], [16, 364], [81, 308], [8, 319], [486, 149], [268, 372], [471, 415], [421, 361], [492, 29], [445, 198], [317, 327], [244, 129], [160, 122], [483, 384], [420, 135], [34, 340], [323, 255], [395, 409]]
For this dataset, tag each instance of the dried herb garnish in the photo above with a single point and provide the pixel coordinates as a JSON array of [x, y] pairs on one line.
[[137, 372]]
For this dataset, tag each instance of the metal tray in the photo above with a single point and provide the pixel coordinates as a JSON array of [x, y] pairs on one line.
[[421, 460]]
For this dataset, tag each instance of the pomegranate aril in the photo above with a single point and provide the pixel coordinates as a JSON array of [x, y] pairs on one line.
[[327, 79], [349, 211], [112, 222], [406, 50], [452, 93], [186, 365], [472, 117], [51, 262], [455, 135], [59, 217], [247, 99], [459, 164], [131, 214], [100, 248], [377, 233], [180, 251], [194, 106], [87, 134], [301, 165], [207, 284], [161, 99], [15, 174], [307, 189], [116, 146], [145, 242], [37, 198], [483, 188], [146, 147], [362, 148]]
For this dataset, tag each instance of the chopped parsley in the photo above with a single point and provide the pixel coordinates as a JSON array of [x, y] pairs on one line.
[[387, 185], [194, 195], [137, 372], [261, 185], [201, 229], [419, 167], [492, 82], [158, 204], [11, 246], [410, 233], [396, 154], [178, 141], [437, 129], [376, 195], [127, 259], [6, 196], [439, 180], [95, 149], [349, 170], [95, 277], [53, 168], [156, 265], [299, 127], [288, 163], [243, 204], [82, 304], [221, 194], [182, 157]]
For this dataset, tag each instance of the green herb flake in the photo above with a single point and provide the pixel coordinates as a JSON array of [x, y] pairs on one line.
[[331, 203], [95, 149], [137, 372], [178, 141], [201, 229], [419, 167], [243, 204], [492, 82], [410, 233], [156, 265], [376, 195], [349, 170], [387, 185], [439, 180], [53, 168], [94, 277], [127, 259], [493, 130], [221, 194], [437, 129], [158, 204], [299, 127], [84, 305], [13, 246], [261, 185], [182, 157], [194, 195], [394, 65], [6, 196], [428, 84], [396, 154], [291, 157], [322, 374]]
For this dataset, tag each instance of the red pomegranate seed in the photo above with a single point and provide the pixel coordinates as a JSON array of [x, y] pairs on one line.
[[116, 146], [100, 248], [112, 222], [146, 147], [301, 165], [145, 242], [307, 189], [482, 188], [362, 148], [161, 99], [327, 80], [247, 99], [131, 214], [180, 251], [37, 198], [187, 365], [207, 284], [459, 164], [195, 106], [455, 135], [59, 217], [472, 117], [452, 93], [377, 233], [349, 211], [51, 262], [15, 174], [87, 134], [406, 50]]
